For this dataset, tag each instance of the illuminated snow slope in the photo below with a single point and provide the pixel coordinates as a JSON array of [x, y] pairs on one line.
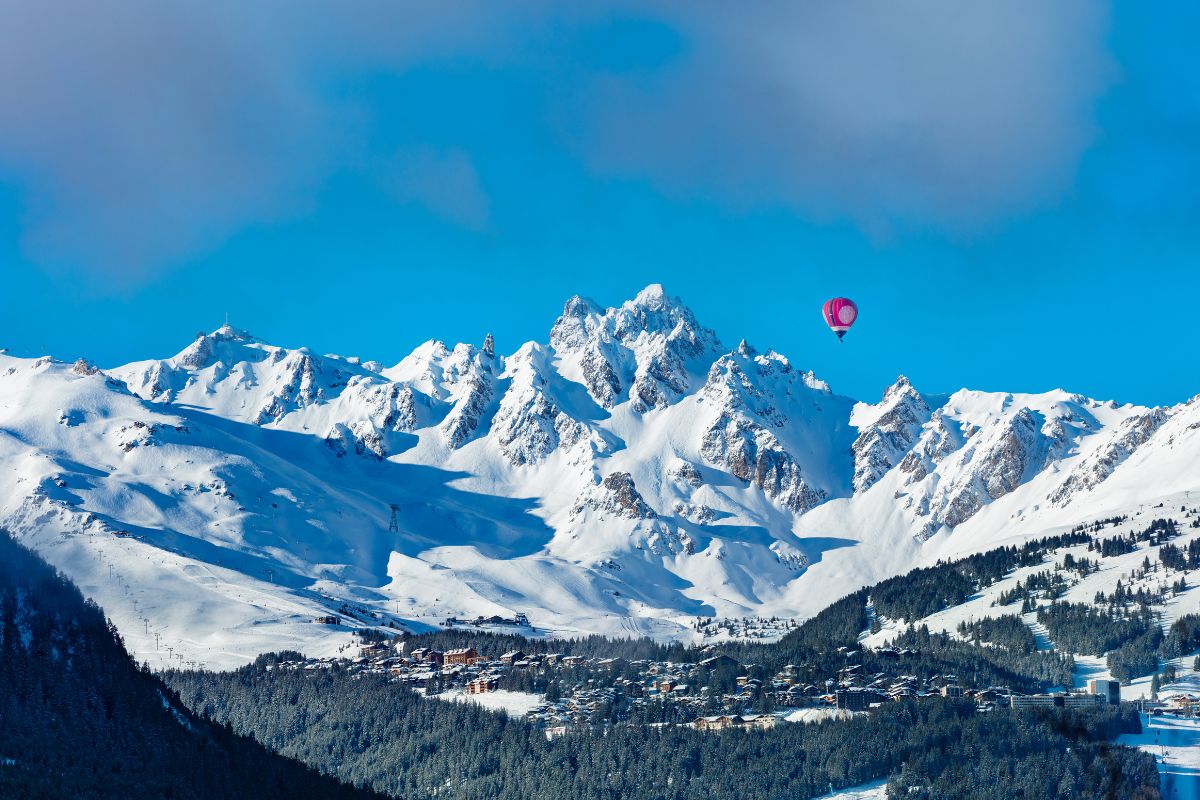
[[1175, 745], [623, 477]]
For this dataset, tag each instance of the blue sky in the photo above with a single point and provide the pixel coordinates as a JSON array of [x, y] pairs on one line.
[[1007, 190]]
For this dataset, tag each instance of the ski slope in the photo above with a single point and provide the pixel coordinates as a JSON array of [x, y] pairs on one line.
[[876, 790], [1175, 745]]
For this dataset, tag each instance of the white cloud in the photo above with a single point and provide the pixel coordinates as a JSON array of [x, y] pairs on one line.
[[143, 134], [929, 112], [443, 181]]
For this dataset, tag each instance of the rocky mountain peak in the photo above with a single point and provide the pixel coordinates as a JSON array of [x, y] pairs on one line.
[[580, 306], [470, 383], [887, 432], [206, 346], [615, 495], [530, 423], [655, 313], [84, 367], [227, 331], [652, 294], [574, 327], [902, 386], [650, 350], [745, 379], [654, 299], [762, 428]]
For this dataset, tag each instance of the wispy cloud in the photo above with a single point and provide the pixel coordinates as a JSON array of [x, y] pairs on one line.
[[145, 134], [931, 112], [443, 181], [142, 133]]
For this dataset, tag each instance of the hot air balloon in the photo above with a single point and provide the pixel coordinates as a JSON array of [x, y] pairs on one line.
[[840, 313]]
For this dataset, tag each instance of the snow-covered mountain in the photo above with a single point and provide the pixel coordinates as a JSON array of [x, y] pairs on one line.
[[626, 476]]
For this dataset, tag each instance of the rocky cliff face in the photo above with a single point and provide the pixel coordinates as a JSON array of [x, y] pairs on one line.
[[991, 466], [979, 447], [616, 495], [1101, 462], [530, 424], [650, 351], [753, 397], [893, 428], [939, 438], [471, 376]]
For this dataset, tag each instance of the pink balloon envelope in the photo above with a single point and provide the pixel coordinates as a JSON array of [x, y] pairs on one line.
[[840, 313]]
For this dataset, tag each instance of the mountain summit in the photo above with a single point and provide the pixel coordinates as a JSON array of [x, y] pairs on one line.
[[625, 476]]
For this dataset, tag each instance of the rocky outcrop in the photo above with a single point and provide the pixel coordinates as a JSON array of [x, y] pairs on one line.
[[1101, 462], [361, 437], [699, 514], [651, 347], [397, 408], [84, 367], [742, 438], [995, 465], [530, 429], [530, 425], [299, 380], [687, 473], [204, 350], [626, 497], [940, 438], [895, 427], [752, 454], [473, 380], [617, 496], [600, 376], [144, 434]]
